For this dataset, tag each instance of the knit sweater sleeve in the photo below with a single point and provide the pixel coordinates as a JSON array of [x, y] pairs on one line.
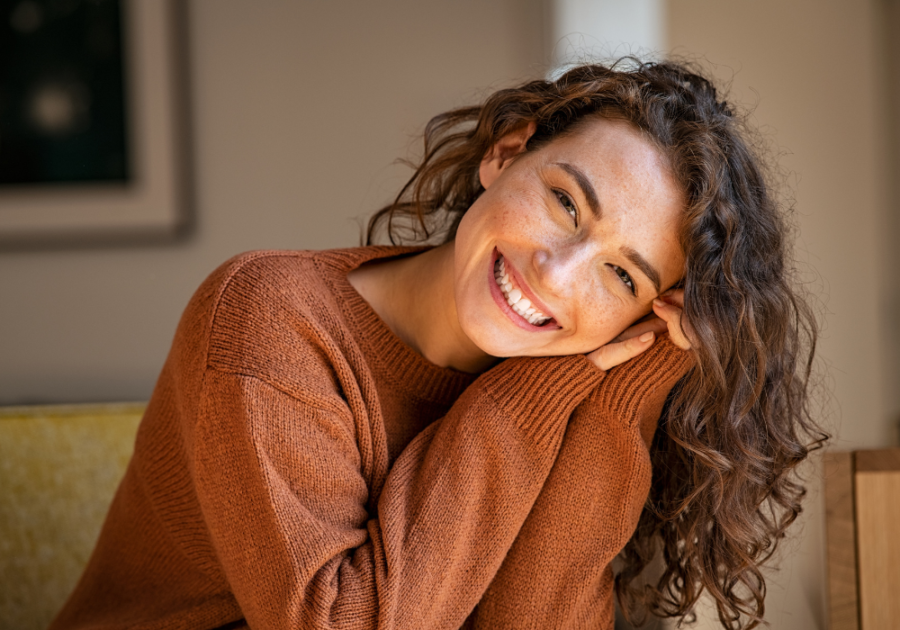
[[279, 469], [280, 487], [557, 573]]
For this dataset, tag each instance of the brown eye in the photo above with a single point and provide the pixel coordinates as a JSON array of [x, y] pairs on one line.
[[625, 278], [567, 204]]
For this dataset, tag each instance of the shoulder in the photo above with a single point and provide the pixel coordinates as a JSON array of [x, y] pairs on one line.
[[238, 286], [295, 277], [249, 285], [271, 287], [269, 314], [277, 315]]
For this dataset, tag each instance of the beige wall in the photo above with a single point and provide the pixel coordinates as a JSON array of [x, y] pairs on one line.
[[889, 22], [300, 108], [814, 69]]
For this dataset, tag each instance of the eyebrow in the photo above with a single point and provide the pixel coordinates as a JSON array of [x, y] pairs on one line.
[[587, 188], [641, 263]]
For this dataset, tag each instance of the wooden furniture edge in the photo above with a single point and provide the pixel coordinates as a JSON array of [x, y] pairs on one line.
[[886, 459], [841, 552]]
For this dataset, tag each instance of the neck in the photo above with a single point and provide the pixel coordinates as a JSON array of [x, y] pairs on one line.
[[414, 296]]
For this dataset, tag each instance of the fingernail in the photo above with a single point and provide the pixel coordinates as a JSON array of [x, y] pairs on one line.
[[659, 303], [647, 336]]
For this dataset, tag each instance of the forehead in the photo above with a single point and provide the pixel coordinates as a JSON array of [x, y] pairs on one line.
[[612, 142]]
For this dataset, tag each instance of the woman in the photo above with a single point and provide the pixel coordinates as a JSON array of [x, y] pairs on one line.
[[467, 434]]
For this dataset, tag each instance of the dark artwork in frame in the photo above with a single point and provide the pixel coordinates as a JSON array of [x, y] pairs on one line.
[[94, 123], [63, 113]]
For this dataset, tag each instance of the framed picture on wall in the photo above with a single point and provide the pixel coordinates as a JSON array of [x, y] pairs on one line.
[[92, 121]]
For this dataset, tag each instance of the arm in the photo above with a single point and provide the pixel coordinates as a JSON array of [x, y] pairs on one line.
[[557, 573], [280, 483]]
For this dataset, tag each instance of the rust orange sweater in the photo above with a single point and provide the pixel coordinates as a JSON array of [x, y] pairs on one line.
[[298, 466]]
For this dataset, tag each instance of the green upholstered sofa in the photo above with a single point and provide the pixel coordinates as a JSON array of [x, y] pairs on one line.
[[59, 468]]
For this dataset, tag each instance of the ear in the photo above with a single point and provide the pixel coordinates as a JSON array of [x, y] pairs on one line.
[[503, 151]]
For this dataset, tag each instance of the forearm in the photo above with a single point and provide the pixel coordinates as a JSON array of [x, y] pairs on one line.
[[449, 510], [557, 573]]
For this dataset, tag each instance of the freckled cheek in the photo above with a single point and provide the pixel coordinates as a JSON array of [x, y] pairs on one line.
[[601, 318], [513, 218], [519, 205]]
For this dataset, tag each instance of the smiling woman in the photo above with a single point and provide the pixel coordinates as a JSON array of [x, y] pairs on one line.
[[587, 228], [598, 360]]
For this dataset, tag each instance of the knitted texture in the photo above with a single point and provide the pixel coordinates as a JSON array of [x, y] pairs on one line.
[[298, 466]]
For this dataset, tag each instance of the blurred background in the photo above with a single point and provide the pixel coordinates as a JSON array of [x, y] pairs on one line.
[[297, 112]]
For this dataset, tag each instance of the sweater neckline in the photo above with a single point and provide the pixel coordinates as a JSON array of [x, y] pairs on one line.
[[385, 351]]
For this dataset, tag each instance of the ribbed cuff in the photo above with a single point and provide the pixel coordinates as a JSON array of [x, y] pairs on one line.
[[631, 384], [541, 392]]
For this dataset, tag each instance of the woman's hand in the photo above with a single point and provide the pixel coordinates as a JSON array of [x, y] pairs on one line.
[[667, 316], [670, 308]]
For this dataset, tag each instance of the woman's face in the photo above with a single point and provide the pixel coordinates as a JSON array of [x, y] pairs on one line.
[[585, 229]]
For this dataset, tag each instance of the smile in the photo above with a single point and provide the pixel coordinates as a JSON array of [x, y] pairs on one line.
[[513, 295]]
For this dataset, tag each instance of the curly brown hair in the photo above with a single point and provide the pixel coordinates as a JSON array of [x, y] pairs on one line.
[[735, 428]]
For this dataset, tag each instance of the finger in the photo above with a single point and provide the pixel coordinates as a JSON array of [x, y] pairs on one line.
[[655, 325], [673, 317], [613, 354], [673, 296]]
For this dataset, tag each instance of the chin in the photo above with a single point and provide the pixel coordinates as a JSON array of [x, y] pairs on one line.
[[497, 343], [489, 339]]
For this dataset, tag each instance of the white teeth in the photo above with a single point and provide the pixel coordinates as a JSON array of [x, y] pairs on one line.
[[514, 298]]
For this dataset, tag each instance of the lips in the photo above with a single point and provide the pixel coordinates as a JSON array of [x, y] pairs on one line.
[[516, 299]]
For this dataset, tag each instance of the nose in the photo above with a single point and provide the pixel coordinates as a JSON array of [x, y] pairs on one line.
[[557, 268]]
